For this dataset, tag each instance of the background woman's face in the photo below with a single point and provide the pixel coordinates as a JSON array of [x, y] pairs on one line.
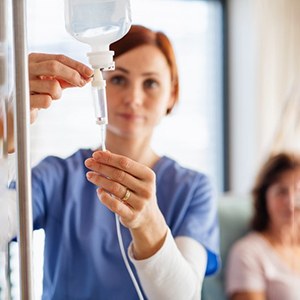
[[283, 198], [139, 91]]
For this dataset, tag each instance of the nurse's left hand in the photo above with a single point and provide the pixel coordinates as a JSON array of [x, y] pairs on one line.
[[49, 75], [128, 188]]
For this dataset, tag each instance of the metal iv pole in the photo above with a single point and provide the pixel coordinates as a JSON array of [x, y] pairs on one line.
[[22, 123]]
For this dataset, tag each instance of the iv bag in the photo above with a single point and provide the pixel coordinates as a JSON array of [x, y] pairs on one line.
[[98, 23]]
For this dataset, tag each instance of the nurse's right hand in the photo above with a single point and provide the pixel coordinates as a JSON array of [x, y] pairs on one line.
[[49, 74]]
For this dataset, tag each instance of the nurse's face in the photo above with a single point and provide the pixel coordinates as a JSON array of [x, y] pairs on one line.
[[283, 199], [139, 92]]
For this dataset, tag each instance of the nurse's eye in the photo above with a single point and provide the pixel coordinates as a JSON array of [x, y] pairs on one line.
[[118, 80], [282, 191], [151, 84]]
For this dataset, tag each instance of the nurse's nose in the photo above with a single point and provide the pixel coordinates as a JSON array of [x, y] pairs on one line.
[[134, 95], [296, 200], [292, 199], [297, 195]]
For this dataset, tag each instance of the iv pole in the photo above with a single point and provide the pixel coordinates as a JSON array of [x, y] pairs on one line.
[[22, 121]]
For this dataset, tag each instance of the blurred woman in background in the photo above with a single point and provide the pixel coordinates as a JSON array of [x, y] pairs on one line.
[[265, 264]]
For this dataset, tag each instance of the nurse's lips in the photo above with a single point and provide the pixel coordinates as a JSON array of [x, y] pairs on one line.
[[131, 116]]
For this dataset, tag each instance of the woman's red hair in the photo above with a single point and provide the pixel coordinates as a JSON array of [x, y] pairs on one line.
[[138, 36]]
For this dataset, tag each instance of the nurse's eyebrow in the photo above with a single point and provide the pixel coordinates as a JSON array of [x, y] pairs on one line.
[[122, 69], [127, 71]]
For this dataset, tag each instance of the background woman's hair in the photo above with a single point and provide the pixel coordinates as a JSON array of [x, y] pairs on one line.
[[268, 175], [138, 36]]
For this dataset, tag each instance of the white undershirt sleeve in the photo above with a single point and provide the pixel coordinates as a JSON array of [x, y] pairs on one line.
[[174, 272]]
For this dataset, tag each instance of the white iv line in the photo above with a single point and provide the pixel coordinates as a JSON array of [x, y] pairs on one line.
[[99, 95]]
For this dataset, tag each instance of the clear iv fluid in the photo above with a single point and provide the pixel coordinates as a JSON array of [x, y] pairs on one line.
[[97, 22], [100, 36]]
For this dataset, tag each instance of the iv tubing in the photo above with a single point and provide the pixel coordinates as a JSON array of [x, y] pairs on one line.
[[98, 81], [120, 239], [121, 244]]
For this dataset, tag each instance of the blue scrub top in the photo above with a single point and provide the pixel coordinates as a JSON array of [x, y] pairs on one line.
[[82, 258]]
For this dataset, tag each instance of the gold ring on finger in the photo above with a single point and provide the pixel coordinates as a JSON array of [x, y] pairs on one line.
[[126, 196]]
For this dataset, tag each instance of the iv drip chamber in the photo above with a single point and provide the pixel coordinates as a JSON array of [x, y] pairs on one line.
[[99, 98]]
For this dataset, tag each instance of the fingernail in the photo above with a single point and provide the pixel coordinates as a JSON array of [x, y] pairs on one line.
[[89, 175], [89, 73], [97, 155], [88, 162]]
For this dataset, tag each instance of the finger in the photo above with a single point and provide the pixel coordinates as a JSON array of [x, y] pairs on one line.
[[40, 101], [64, 84], [118, 207], [50, 87], [83, 70], [143, 187], [55, 69], [124, 163], [114, 174], [116, 189]]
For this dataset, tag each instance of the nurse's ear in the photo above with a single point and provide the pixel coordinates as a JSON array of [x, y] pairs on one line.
[[172, 101]]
